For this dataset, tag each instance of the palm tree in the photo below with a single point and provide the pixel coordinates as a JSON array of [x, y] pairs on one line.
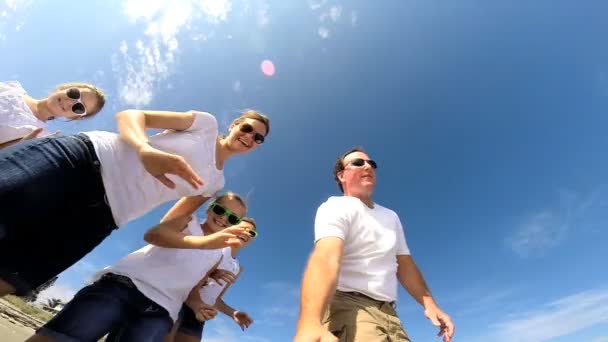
[[54, 302]]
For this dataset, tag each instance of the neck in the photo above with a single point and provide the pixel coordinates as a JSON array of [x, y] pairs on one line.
[[366, 198], [38, 107], [206, 229], [222, 152]]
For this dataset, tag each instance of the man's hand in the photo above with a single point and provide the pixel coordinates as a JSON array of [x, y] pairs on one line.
[[314, 333], [242, 319], [159, 163], [442, 320]]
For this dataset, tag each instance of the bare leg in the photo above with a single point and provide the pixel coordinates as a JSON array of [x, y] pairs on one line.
[[5, 288]]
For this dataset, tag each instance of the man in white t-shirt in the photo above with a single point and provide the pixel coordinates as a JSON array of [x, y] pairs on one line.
[[349, 288]]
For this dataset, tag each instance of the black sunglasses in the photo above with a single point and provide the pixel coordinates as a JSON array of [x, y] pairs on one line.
[[219, 210], [78, 107], [358, 162], [257, 137]]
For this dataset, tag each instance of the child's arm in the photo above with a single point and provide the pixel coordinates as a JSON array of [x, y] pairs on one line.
[[185, 206], [202, 310], [169, 234], [239, 317]]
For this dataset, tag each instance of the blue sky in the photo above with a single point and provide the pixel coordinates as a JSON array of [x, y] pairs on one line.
[[487, 120]]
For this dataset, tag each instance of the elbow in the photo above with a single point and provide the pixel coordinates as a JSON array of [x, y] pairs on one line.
[[126, 113]]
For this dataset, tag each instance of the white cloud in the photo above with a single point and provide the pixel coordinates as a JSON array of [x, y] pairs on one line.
[[323, 32], [140, 70], [263, 18], [601, 339], [335, 12], [353, 18], [224, 330], [215, 10], [56, 291], [316, 4], [547, 229], [237, 87], [555, 319]]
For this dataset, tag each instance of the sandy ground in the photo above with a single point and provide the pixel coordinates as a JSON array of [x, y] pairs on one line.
[[12, 332], [14, 325]]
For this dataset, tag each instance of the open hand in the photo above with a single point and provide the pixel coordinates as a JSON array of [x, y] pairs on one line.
[[442, 320], [242, 319], [159, 163]]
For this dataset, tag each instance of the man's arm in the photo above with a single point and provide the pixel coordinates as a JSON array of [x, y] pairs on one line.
[[319, 283], [412, 280]]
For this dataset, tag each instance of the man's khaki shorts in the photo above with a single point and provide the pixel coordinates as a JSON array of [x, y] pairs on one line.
[[354, 317]]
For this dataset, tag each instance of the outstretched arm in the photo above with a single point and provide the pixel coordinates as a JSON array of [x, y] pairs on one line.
[[318, 286], [169, 234], [412, 280], [185, 206]]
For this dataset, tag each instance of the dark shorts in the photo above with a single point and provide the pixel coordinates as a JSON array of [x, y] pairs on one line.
[[111, 305], [189, 324], [52, 208]]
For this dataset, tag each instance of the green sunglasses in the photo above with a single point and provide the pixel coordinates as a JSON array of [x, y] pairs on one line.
[[218, 209]]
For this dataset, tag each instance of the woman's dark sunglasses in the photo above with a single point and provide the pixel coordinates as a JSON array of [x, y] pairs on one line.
[[219, 210], [358, 162], [257, 137], [78, 107]]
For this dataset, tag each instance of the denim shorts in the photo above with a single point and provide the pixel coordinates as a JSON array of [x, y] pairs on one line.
[[189, 324], [114, 306], [52, 208]]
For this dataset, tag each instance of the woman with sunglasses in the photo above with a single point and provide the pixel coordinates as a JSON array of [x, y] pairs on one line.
[[139, 297], [84, 186], [23, 117], [210, 292]]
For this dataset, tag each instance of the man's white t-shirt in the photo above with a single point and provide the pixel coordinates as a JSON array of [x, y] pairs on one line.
[[211, 292], [166, 275], [132, 191], [373, 237], [16, 118]]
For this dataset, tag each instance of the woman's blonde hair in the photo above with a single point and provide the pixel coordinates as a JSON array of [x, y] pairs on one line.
[[101, 97]]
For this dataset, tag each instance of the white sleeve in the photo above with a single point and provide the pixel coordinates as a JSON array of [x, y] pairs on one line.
[[203, 121], [331, 221], [402, 248]]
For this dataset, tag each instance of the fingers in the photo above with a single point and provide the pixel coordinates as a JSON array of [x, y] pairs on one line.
[[185, 171], [166, 181], [234, 242], [33, 134]]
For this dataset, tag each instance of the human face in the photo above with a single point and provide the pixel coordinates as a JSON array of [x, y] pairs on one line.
[[358, 177], [246, 136], [72, 103], [218, 213]]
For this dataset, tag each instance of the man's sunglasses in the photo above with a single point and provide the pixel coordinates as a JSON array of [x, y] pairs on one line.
[[219, 210], [257, 137], [358, 162], [78, 107]]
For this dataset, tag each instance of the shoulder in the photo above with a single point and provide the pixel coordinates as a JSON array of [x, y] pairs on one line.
[[203, 121], [12, 85]]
